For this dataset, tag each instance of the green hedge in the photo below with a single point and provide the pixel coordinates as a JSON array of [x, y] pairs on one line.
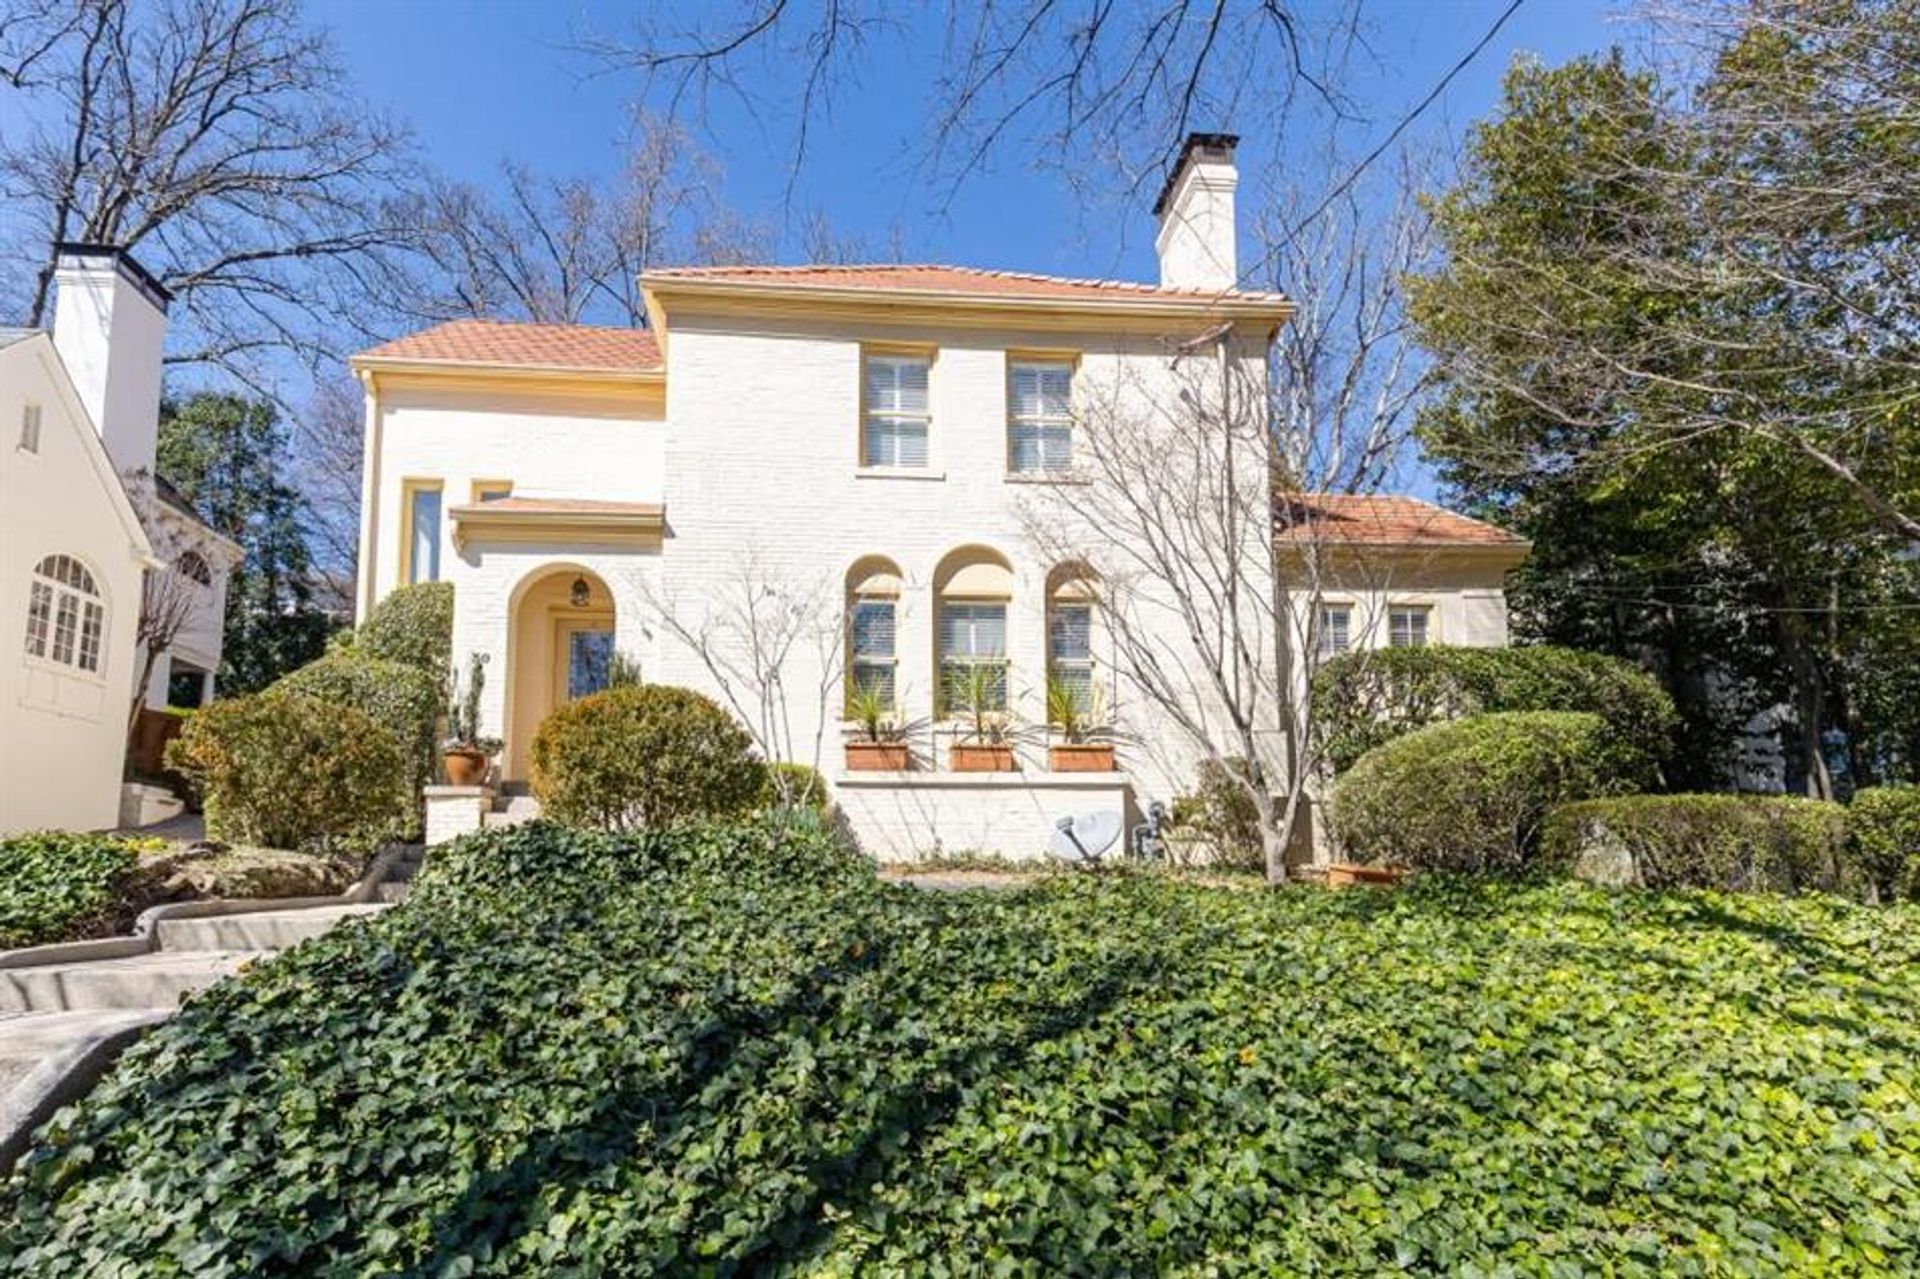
[[59, 886], [413, 624], [1735, 843], [287, 771], [643, 755], [402, 699], [1367, 697], [1885, 821], [725, 1051], [1471, 795]]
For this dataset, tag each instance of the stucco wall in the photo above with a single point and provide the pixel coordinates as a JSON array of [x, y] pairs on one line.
[[910, 817], [62, 730]]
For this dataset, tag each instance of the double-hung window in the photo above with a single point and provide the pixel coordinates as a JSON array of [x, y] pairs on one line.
[[873, 648], [1039, 416], [1336, 629], [973, 655], [897, 415], [1407, 625], [1070, 651]]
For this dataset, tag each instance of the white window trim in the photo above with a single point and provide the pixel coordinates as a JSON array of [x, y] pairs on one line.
[[47, 661], [1427, 606], [868, 356]]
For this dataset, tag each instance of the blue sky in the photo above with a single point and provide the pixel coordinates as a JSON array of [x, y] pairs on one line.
[[482, 80]]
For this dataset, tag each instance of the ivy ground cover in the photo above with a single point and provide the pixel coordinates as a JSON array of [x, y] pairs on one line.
[[732, 1050]]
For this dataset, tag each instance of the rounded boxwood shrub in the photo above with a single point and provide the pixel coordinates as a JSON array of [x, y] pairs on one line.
[[402, 699], [1471, 795], [1367, 697], [289, 771], [643, 755], [1885, 823], [1734, 843], [794, 786], [413, 624]]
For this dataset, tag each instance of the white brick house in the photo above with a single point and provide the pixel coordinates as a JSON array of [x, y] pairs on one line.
[[871, 440]]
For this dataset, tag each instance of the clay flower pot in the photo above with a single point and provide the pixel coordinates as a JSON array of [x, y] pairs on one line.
[[980, 757], [1081, 757], [877, 757], [464, 767]]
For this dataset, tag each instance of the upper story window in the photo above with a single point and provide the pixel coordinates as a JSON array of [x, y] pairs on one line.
[[30, 429], [421, 558], [66, 619], [1407, 625], [1039, 416], [895, 431], [1336, 629], [194, 568]]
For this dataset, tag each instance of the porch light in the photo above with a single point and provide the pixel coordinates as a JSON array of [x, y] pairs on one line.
[[580, 593]]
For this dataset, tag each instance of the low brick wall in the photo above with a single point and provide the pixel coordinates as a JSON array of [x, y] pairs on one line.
[[900, 817], [453, 811]]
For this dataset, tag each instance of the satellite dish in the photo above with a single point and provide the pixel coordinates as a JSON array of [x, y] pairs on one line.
[[1085, 837]]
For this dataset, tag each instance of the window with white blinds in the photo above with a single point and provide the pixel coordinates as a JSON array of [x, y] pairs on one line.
[[1407, 626], [897, 421], [1336, 629], [1040, 416], [973, 644], [873, 648], [1070, 650]]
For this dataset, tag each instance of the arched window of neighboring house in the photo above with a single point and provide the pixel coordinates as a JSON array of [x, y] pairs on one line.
[[194, 567], [66, 618], [1070, 597], [973, 587], [873, 606]]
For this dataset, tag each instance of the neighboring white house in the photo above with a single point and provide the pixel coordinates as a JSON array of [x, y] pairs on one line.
[[82, 518], [866, 445]]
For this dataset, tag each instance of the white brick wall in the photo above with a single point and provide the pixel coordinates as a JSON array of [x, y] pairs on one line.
[[899, 818]]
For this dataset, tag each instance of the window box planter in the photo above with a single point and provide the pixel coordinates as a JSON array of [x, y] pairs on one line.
[[877, 757], [1081, 757], [976, 757], [1346, 874]]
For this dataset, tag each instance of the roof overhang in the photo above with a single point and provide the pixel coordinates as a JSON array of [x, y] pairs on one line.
[[373, 366], [1502, 556], [1124, 310], [622, 524]]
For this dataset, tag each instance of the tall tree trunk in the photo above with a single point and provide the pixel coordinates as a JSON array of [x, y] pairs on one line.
[[1809, 704]]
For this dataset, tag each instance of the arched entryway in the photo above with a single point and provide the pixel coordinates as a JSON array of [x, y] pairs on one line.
[[560, 647]]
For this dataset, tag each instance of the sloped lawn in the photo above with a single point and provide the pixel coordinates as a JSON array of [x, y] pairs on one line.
[[735, 1051]]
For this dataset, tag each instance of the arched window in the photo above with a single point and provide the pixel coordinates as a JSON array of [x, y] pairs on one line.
[[66, 620], [873, 604], [1070, 596], [194, 568], [974, 586]]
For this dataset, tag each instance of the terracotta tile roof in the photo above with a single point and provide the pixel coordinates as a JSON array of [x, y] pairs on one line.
[[552, 346], [946, 279], [560, 506], [1379, 521]]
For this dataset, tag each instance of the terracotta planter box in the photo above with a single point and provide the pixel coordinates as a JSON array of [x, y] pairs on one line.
[[1344, 874], [465, 768], [981, 759], [1081, 757], [876, 757]]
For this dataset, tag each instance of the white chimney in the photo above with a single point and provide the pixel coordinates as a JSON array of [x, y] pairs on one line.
[[109, 323], [1196, 240]]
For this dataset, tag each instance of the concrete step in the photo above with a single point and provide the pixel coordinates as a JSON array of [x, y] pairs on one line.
[[393, 892], [156, 981], [512, 810], [50, 1059], [259, 930], [30, 1038]]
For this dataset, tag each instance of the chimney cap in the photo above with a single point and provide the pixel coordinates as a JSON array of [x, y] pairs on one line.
[[75, 252], [1224, 142]]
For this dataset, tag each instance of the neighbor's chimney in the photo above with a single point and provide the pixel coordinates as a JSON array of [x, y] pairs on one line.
[[1195, 208], [109, 322]]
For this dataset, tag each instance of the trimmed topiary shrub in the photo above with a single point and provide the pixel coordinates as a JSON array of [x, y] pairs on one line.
[[1221, 815], [794, 786], [1885, 823], [60, 886], [413, 624], [1367, 697], [1734, 843], [288, 771], [1471, 795], [403, 699], [643, 755]]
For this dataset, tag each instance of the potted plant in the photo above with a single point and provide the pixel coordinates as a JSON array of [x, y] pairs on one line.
[[465, 753], [986, 746], [1080, 718], [881, 746]]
